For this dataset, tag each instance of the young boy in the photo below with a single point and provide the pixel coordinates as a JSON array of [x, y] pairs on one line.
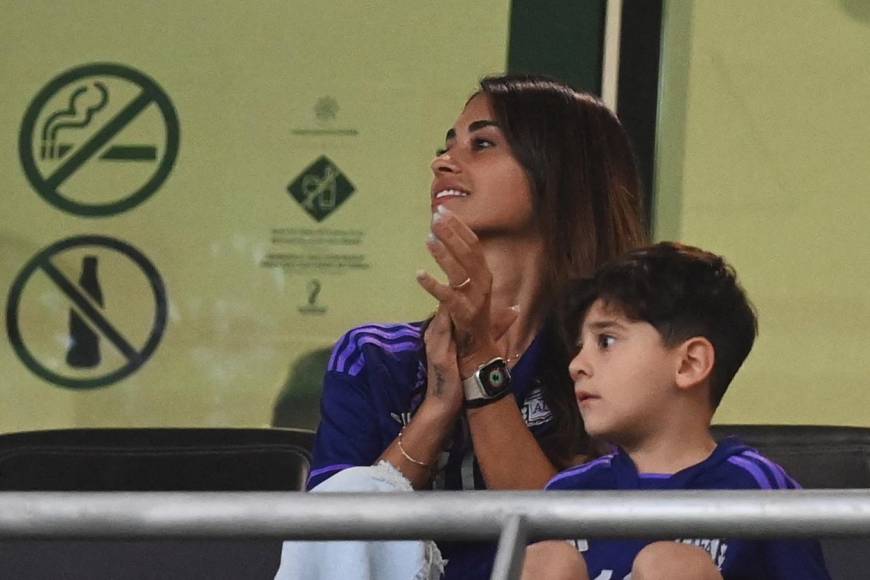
[[663, 331]]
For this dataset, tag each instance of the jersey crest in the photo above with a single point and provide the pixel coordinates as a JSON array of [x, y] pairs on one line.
[[535, 410]]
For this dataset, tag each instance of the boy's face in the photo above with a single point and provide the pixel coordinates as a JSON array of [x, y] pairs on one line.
[[622, 375]]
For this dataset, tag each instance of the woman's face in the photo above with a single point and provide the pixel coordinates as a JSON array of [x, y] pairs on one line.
[[478, 178]]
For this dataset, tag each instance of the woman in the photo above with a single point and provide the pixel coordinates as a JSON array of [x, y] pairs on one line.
[[535, 187]]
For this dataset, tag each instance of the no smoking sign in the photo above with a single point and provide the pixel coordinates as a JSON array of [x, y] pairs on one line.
[[99, 140]]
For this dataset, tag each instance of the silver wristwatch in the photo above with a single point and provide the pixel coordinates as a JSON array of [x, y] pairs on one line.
[[489, 383]]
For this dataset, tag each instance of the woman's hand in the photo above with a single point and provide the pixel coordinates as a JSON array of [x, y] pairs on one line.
[[415, 451], [467, 294], [444, 388], [508, 454]]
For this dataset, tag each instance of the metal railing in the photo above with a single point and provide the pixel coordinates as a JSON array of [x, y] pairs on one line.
[[510, 516]]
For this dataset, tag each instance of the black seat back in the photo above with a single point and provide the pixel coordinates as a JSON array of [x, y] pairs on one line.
[[155, 460], [819, 457], [150, 460]]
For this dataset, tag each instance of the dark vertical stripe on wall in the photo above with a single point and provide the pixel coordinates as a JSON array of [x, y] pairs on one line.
[[559, 38], [565, 39], [637, 92]]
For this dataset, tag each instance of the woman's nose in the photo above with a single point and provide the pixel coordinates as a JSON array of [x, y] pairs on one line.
[[445, 163]]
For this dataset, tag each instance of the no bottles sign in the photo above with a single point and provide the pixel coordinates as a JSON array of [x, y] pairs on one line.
[[86, 311]]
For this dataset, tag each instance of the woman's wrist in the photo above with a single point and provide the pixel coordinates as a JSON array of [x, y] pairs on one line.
[[415, 450], [408, 456], [437, 414], [469, 363]]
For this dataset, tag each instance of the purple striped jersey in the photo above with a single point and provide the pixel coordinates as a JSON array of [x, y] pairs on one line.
[[375, 381], [732, 465]]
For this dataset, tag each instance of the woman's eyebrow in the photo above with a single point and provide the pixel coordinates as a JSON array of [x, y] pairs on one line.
[[477, 125], [472, 127]]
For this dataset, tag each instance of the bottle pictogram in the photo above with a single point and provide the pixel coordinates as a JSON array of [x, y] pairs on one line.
[[84, 343]]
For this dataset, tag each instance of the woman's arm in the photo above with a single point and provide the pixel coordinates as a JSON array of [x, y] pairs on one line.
[[509, 455], [348, 433], [415, 451]]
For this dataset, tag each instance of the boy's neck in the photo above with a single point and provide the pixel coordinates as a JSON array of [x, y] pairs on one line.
[[671, 452]]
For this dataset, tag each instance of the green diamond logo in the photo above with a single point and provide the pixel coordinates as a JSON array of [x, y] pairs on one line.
[[321, 188]]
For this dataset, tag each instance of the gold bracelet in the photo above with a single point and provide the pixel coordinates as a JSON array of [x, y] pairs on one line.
[[405, 453]]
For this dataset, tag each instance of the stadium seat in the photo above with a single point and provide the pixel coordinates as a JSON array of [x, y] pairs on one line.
[[819, 457], [150, 460]]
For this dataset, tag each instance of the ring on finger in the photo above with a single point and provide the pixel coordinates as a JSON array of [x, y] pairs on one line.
[[462, 284]]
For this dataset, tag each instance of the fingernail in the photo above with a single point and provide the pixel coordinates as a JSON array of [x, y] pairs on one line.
[[437, 216], [421, 273], [442, 210], [515, 308], [431, 239]]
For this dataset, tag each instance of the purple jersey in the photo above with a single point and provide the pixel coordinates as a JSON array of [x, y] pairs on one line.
[[732, 465], [375, 381]]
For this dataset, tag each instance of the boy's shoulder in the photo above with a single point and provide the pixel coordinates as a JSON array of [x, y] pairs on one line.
[[732, 465], [596, 474], [735, 465]]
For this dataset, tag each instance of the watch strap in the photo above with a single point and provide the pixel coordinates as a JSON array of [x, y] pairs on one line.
[[475, 403]]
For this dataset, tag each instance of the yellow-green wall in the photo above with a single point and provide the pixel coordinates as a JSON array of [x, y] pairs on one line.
[[764, 156], [247, 81]]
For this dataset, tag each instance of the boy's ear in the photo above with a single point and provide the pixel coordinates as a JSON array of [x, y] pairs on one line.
[[697, 356]]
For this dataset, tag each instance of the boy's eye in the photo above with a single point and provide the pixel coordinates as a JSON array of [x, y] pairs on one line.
[[605, 341]]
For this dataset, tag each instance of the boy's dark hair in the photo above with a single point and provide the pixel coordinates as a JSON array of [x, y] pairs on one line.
[[683, 292]]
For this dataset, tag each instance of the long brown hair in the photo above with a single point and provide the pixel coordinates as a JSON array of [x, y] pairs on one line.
[[587, 198]]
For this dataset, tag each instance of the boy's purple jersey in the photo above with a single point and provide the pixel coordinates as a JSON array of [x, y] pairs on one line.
[[732, 465], [375, 381]]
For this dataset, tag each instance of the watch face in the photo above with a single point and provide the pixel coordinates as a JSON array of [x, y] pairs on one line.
[[494, 378]]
